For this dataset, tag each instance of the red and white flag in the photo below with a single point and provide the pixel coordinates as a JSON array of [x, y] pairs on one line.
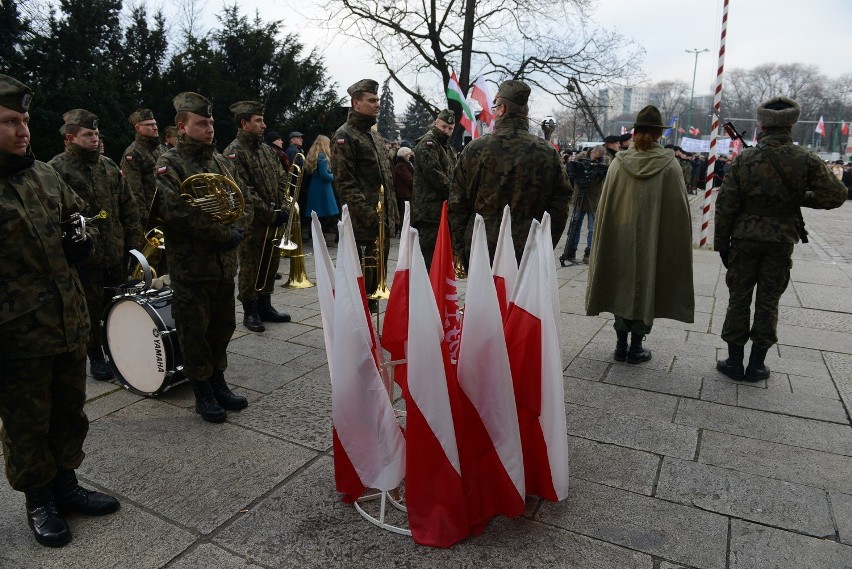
[[395, 329], [455, 93], [820, 127], [694, 131], [536, 363], [369, 449], [735, 147], [548, 261], [505, 267], [437, 513], [492, 461], [844, 127], [325, 284], [442, 274], [481, 93]]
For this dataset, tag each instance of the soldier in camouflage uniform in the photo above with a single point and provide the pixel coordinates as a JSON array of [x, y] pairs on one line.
[[43, 331], [99, 182], [138, 160], [433, 172], [202, 259], [170, 137], [758, 221], [265, 183], [361, 166], [509, 166]]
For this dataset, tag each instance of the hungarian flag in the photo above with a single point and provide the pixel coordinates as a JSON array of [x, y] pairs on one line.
[[844, 127], [505, 267], [395, 330], [455, 93], [536, 363], [820, 127], [481, 93], [437, 513], [492, 461], [369, 449], [442, 274]]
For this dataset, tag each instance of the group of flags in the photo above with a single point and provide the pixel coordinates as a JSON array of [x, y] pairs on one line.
[[820, 127], [485, 421], [479, 92]]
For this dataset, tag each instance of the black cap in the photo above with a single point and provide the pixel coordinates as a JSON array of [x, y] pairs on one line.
[[612, 138]]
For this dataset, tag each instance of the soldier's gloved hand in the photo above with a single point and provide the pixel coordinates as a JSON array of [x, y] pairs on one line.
[[281, 218], [77, 251], [233, 241], [724, 253]]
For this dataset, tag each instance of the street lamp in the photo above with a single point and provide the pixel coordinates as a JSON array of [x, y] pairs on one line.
[[696, 51]]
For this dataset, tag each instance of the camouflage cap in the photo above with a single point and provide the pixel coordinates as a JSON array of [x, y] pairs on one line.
[[193, 103], [140, 115], [247, 108], [778, 111], [171, 131], [79, 117], [650, 116], [14, 94], [447, 116], [516, 91], [365, 85]]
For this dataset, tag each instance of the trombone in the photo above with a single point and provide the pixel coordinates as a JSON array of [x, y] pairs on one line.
[[382, 291]]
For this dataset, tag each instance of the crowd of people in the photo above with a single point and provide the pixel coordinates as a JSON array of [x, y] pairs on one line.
[[58, 274]]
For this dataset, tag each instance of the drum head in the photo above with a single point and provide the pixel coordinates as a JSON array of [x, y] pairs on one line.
[[136, 347]]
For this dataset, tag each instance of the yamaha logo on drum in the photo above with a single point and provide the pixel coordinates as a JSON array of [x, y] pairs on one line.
[[156, 332], [158, 351]]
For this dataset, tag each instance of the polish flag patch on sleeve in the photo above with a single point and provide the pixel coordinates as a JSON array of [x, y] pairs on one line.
[[162, 170], [129, 158], [232, 156], [429, 143], [341, 141]]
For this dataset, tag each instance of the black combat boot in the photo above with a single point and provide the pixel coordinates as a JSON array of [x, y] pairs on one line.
[[98, 366], [733, 365], [251, 319], [569, 258], [586, 256], [223, 394], [620, 354], [206, 404], [267, 313], [755, 371], [48, 526], [71, 497], [637, 354]]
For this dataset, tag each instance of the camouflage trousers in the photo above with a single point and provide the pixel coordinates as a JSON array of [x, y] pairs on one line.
[[97, 297], [428, 238], [632, 326], [250, 250], [44, 425], [205, 321], [767, 266]]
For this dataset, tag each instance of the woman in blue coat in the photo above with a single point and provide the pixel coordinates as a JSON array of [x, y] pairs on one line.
[[321, 198]]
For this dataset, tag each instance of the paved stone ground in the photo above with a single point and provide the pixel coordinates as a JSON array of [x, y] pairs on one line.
[[673, 465]]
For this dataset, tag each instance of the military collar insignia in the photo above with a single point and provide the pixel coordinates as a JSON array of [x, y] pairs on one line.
[[26, 100]]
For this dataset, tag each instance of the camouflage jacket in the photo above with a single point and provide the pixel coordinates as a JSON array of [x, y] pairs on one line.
[[509, 166], [193, 239], [360, 165], [753, 202], [42, 308], [264, 178], [434, 163], [686, 168], [137, 164], [98, 181]]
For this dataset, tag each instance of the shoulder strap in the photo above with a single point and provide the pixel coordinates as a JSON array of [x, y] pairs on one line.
[[803, 233]]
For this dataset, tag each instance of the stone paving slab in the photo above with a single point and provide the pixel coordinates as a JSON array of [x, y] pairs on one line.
[[758, 547], [673, 531], [106, 404], [826, 340], [209, 556], [795, 507], [825, 297], [262, 376], [590, 370], [840, 366], [814, 387], [817, 319], [823, 409], [841, 505], [613, 465], [723, 392], [613, 398], [819, 273], [639, 377], [267, 349]]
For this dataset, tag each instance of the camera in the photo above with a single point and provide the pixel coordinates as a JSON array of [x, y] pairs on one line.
[[585, 172]]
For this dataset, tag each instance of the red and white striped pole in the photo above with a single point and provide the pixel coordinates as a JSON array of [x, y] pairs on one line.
[[714, 129]]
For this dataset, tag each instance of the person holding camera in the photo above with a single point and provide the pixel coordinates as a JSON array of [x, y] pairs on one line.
[[587, 177]]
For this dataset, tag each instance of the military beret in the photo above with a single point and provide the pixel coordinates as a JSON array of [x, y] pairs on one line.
[[651, 117], [171, 131], [14, 94], [516, 91], [79, 117], [247, 108], [193, 103], [140, 115], [366, 85], [612, 138], [778, 111], [447, 116], [295, 134]]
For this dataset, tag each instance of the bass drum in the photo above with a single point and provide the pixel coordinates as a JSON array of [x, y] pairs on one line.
[[140, 341]]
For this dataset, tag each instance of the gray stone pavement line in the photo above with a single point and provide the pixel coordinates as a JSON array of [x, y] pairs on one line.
[[728, 543]]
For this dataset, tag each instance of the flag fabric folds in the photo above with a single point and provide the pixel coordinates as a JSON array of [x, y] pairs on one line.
[[672, 126], [442, 274], [844, 127], [820, 127], [455, 93], [481, 93], [395, 329], [505, 268]]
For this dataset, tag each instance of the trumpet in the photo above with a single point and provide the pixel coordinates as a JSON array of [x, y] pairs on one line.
[[75, 225], [382, 291], [276, 241]]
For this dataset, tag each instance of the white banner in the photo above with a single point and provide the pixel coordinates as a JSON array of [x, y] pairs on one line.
[[698, 145]]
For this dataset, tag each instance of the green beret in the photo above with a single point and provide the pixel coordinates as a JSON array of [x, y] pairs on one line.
[[447, 116], [14, 94], [366, 85], [140, 115], [79, 117], [247, 108], [193, 103], [516, 91]]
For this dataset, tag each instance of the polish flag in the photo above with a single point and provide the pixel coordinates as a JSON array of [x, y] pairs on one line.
[[369, 449], [492, 461], [505, 268], [549, 263], [442, 274], [325, 284], [694, 131], [820, 127], [437, 514], [395, 330], [844, 127], [736, 147], [536, 364], [481, 93]]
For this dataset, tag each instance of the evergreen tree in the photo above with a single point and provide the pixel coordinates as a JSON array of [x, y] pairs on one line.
[[386, 122], [14, 29], [417, 120]]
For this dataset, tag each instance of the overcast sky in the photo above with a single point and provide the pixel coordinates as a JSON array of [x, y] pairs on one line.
[[759, 31]]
